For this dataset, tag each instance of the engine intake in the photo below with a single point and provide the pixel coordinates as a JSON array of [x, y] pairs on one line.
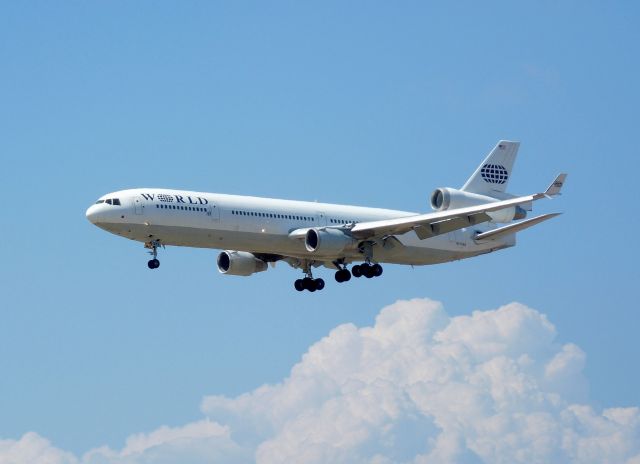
[[327, 241], [240, 263]]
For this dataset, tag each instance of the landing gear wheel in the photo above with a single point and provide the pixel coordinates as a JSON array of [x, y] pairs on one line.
[[367, 271], [377, 270], [307, 284], [343, 275], [356, 271], [153, 264], [298, 285], [319, 283]]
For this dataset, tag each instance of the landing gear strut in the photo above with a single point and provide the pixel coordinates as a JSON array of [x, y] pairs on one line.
[[153, 246], [308, 282]]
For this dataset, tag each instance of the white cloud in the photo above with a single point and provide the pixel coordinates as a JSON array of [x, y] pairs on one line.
[[418, 386], [32, 448]]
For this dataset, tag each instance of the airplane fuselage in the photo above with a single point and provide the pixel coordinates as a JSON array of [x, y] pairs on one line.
[[263, 226]]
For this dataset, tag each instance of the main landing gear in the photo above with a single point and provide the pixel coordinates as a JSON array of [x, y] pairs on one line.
[[367, 270], [308, 283], [153, 246]]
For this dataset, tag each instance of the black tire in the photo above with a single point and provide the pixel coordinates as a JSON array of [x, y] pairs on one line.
[[298, 285], [347, 275], [307, 284], [368, 272], [377, 270], [153, 264], [356, 271], [338, 276], [319, 284]]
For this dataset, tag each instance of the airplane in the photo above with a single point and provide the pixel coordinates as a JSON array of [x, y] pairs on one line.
[[253, 232]]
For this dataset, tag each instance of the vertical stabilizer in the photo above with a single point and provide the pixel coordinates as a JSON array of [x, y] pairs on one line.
[[493, 174]]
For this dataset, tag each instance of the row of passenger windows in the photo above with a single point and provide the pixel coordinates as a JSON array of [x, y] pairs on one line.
[[341, 221], [287, 216], [110, 201], [273, 215], [184, 208]]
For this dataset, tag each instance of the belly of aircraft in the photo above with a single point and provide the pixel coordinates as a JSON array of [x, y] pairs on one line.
[[419, 253]]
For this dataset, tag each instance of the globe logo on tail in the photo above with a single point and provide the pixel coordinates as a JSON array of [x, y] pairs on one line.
[[494, 173]]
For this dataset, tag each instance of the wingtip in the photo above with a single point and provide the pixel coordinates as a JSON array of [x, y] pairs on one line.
[[556, 186]]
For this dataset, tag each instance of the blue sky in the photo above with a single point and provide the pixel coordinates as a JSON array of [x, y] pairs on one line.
[[366, 103]]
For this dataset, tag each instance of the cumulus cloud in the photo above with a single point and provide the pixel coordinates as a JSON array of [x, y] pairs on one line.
[[417, 387]]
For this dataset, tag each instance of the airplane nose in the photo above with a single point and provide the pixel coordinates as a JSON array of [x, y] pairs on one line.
[[92, 214]]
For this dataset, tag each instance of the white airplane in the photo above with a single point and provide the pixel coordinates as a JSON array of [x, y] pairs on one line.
[[253, 232]]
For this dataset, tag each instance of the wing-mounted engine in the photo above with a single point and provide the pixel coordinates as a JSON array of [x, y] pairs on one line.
[[446, 198], [328, 241], [240, 263]]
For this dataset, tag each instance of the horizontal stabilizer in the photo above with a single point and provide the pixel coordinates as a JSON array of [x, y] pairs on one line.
[[513, 228]]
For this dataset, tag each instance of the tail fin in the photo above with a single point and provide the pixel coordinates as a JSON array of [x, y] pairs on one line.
[[493, 174]]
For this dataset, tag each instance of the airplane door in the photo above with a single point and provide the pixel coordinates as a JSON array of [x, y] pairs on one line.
[[139, 207], [213, 211], [322, 219]]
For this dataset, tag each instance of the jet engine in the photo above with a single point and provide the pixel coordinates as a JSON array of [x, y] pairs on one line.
[[240, 263], [446, 198], [327, 241]]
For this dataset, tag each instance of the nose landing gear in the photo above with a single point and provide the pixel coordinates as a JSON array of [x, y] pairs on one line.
[[153, 246]]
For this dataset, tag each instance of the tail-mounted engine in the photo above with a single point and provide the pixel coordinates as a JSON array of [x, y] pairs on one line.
[[240, 263], [446, 198]]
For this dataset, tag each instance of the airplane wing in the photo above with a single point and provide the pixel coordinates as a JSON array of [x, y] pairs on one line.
[[441, 222]]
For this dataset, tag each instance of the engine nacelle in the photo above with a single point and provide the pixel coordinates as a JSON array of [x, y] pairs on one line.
[[327, 241], [447, 198], [240, 263]]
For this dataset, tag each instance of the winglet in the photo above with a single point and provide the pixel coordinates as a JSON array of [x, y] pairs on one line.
[[556, 186]]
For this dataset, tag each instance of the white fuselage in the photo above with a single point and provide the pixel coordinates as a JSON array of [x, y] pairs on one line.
[[262, 226]]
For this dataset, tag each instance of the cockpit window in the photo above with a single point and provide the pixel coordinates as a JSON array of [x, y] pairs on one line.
[[99, 201], [108, 201], [111, 201], [116, 201]]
